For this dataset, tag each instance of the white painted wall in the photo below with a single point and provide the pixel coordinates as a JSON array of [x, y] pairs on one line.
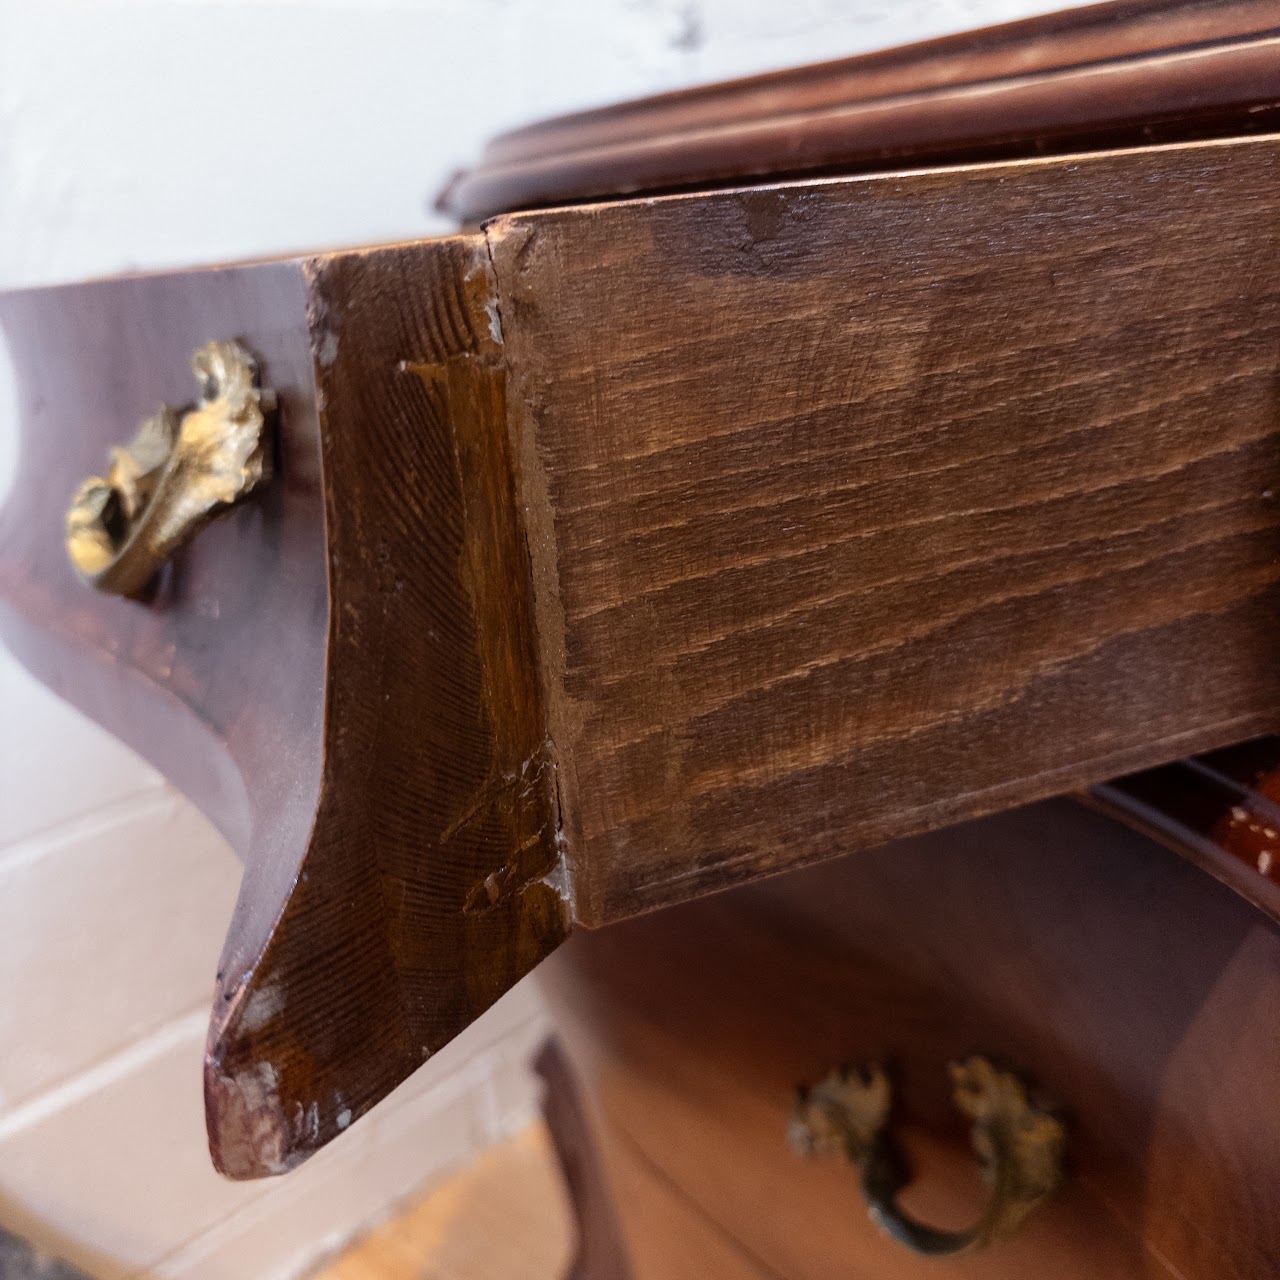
[[154, 133]]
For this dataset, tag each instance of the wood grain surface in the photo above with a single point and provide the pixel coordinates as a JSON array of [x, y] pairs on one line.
[[860, 507], [1138, 996], [1104, 75]]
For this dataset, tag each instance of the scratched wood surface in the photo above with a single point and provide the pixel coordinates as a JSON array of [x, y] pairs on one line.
[[860, 507]]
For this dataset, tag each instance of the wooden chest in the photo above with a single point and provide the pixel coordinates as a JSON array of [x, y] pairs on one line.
[[829, 468]]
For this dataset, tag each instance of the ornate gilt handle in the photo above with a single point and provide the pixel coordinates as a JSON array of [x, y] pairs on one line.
[[1018, 1144], [180, 471]]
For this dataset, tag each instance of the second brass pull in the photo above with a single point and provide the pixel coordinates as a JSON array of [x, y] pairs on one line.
[[1018, 1144]]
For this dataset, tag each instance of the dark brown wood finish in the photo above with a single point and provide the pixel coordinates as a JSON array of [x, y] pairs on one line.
[[1106, 75], [360, 718], [618, 554], [1140, 997], [860, 507]]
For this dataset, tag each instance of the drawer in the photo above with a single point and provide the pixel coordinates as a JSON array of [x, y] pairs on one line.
[[1138, 998]]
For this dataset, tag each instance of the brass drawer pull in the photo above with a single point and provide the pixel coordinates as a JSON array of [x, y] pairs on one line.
[[180, 470], [1018, 1144]]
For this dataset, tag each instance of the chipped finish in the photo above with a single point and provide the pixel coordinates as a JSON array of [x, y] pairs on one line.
[[253, 1136]]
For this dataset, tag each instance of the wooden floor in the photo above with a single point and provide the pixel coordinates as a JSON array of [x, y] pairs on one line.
[[505, 1215]]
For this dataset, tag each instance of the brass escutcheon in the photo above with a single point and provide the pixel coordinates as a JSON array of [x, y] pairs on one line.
[[180, 470], [1019, 1146]]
